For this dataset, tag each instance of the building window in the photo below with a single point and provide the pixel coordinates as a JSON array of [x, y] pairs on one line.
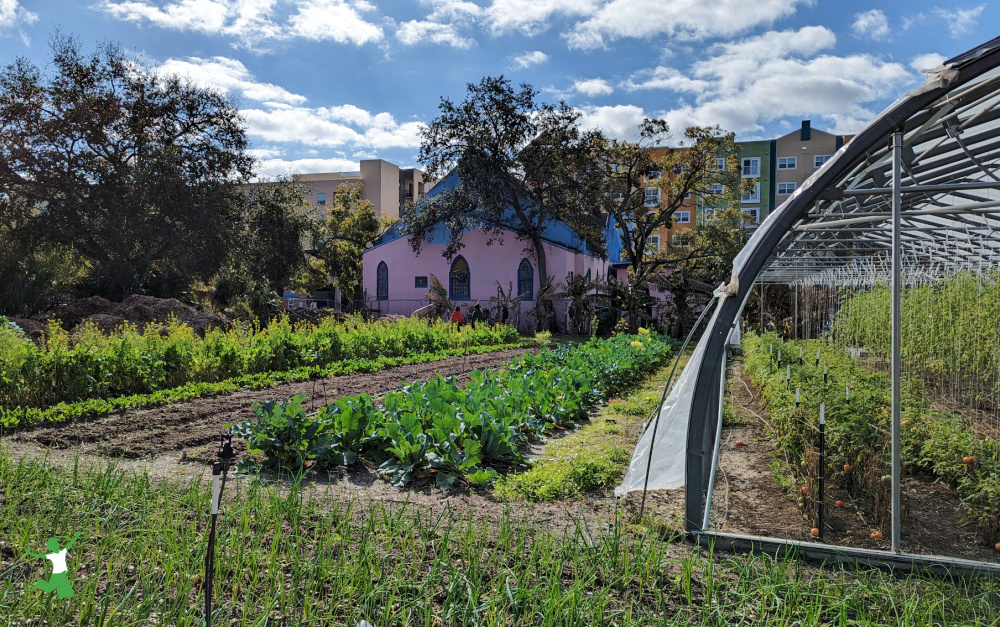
[[682, 217], [720, 164], [681, 240], [321, 199], [787, 163], [683, 167], [588, 275], [420, 281], [654, 244], [525, 280], [653, 173], [458, 280], [652, 196], [382, 280], [753, 214], [819, 160], [709, 212], [785, 188], [751, 167], [753, 196], [716, 189]]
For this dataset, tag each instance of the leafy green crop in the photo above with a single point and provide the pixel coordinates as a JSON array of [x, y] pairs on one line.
[[438, 427]]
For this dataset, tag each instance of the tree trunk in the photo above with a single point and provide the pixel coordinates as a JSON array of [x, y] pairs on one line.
[[543, 274]]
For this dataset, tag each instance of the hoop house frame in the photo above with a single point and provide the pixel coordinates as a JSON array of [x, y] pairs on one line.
[[918, 187]]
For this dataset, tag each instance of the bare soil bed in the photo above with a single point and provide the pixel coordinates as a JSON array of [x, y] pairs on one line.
[[749, 500], [191, 428]]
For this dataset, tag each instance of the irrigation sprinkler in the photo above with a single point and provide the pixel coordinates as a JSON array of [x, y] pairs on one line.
[[798, 396], [219, 471], [779, 357], [817, 358], [822, 465], [770, 349], [847, 391], [801, 362]]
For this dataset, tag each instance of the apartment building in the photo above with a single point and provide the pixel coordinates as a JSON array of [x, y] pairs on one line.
[[799, 154], [386, 185]]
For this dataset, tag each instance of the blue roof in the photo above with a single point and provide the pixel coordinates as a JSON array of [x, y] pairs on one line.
[[556, 232]]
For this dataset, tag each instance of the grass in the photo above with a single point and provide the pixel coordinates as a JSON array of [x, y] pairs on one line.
[[593, 456], [294, 556]]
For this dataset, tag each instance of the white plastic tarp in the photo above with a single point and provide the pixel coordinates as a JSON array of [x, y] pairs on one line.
[[670, 449]]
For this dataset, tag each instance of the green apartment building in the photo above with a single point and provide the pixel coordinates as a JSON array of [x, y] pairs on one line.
[[756, 160]]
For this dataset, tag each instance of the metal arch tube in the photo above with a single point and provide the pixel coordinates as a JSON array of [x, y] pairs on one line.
[[718, 447], [897, 160]]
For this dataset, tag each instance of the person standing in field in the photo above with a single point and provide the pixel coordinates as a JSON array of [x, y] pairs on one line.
[[59, 580], [457, 317]]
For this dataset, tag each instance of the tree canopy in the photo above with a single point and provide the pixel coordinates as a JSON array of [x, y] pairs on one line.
[[520, 165], [135, 172]]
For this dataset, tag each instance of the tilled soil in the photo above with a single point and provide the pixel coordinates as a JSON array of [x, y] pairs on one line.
[[192, 427], [749, 501]]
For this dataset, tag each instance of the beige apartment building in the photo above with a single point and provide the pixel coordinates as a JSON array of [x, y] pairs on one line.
[[799, 154], [387, 186]]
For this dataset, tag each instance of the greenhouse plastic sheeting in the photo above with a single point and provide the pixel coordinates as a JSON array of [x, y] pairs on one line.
[[667, 469]]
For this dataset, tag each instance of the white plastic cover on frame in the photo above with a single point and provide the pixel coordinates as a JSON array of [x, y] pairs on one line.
[[667, 469]]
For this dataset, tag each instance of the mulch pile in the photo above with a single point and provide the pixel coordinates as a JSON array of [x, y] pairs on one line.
[[138, 310]]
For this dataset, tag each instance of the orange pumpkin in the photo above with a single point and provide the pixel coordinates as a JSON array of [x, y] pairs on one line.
[[814, 533], [877, 535], [968, 460], [839, 503], [848, 468]]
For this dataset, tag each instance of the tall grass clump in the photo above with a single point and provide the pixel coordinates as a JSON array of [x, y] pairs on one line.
[[302, 556], [89, 364]]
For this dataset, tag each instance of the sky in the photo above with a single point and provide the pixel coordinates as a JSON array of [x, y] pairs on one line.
[[322, 84]]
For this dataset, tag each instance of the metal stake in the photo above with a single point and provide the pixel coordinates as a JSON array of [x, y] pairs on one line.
[[897, 167], [822, 464]]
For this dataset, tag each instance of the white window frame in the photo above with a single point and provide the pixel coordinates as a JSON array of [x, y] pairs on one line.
[[720, 164], [788, 163], [682, 217], [716, 189], [649, 201], [754, 197], [680, 237], [819, 160], [788, 190], [754, 214], [654, 243], [708, 212], [750, 167]]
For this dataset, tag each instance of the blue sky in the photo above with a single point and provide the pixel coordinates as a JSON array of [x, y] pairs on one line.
[[325, 83]]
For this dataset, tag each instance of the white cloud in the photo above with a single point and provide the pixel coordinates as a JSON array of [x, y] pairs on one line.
[[334, 19], [535, 57], [416, 32], [662, 77], [872, 24], [740, 84], [960, 21], [927, 61], [593, 87], [531, 17], [13, 16], [253, 21], [330, 127], [441, 25], [228, 75], [276, 167], [619, 121], [683, 19]]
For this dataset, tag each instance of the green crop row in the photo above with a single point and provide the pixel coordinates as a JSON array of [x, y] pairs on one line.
[[93, 365], [438, 427], [950, 330], [188, 391], [858, 428]]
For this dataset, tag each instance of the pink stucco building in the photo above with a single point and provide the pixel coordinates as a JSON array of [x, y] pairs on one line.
[[396, 279]]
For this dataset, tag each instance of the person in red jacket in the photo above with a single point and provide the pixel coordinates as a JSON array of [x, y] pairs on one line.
[[457, 317]]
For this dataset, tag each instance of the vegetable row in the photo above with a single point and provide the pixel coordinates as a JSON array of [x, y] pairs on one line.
[[858, 428], [453, 432], [90, 364]]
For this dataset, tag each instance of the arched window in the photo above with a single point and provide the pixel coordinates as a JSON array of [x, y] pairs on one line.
[[383, 281], [459, 280], [525, 280]]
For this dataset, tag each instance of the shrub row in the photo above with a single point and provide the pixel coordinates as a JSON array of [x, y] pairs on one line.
[[858, 428], [93, 365], [454, 432]]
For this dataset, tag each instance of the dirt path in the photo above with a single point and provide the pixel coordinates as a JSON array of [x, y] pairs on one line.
[[187, 431], [748, 499]]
